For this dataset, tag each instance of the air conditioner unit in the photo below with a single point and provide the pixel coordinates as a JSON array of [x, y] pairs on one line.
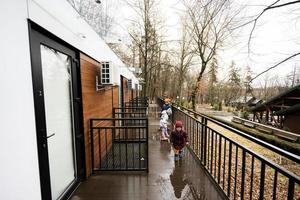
[[104, 77], [106, 73], [129, 84]]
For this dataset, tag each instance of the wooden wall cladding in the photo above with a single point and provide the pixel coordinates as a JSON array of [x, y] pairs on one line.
[[96, 104]]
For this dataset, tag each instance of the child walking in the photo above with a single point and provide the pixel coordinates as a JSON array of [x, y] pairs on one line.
[[164, 125], [167, 106], [179, 139]]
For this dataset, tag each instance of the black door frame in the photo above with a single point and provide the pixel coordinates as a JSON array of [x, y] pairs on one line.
[[38, 36]]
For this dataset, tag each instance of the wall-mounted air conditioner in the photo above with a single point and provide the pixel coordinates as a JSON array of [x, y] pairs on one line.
[[106, 73], [129, 84], [105, 76]]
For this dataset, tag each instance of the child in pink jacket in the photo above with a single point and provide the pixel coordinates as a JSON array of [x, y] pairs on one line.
[[179, 139]]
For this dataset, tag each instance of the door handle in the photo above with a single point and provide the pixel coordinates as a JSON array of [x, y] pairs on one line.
[[47, 137]]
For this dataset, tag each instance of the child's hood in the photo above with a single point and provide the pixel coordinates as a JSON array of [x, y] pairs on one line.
[[164, 114]]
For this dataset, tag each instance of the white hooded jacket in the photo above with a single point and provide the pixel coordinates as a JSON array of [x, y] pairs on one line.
[[164, 119]]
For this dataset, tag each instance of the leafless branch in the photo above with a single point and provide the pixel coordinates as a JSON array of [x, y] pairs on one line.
[[284, 60], [255, 21]]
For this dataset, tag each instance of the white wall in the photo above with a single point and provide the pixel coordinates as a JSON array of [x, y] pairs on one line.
[[59, 17], [19, 174]]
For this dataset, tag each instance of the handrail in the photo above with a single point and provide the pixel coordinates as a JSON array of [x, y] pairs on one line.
[[119, 127], [267, 145], [127, 108], [232, 165], [112, 119]]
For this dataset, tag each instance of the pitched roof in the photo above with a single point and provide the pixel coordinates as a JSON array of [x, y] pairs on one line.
[[282, 101]]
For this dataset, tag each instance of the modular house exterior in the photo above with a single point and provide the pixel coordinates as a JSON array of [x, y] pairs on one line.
[[53, 79]]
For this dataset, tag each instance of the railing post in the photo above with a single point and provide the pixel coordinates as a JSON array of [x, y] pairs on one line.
[[243, 173], [262, 180], [92, 144], [229, 170], [291, 189], [203, 139], [147, 144]]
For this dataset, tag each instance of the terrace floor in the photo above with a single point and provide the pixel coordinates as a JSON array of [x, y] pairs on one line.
[[166, 180]]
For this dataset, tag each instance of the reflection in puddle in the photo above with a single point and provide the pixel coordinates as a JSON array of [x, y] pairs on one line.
[[178, 179], [185, 179], [165, 148]]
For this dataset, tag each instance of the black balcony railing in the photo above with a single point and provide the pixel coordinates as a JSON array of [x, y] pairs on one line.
[[119, 148], [120, 143], [237, 170], [137, 102], [130, 112]]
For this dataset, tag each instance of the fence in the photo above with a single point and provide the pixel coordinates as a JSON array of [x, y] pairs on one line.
[[119, 148], [120, 143], [238, 171]]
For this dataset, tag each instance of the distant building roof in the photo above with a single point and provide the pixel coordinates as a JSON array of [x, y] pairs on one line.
[[257, 101], [286, 102], [242, 99], [288, 111]]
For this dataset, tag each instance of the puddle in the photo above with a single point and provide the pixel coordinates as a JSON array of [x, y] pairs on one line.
[[178, 179]]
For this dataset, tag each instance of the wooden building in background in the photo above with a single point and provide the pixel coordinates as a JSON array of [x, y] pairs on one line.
[[281, 111]]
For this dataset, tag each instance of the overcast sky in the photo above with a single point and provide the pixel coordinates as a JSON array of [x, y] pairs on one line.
[[277, 35]]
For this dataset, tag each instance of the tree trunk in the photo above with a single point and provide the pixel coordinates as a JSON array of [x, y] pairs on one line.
[[180, 85], [195, 90]]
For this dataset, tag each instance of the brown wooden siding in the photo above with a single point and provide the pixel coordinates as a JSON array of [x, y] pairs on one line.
[[96, 104], [291, 123]]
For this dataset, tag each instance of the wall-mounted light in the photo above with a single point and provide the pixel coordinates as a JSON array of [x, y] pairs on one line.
[[81, 35]]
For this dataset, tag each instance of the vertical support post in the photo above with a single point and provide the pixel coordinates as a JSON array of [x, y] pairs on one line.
[[204, 139], [262, 181], [112, 99], [147, 144], [132, 95], [92, 145], [243, 173], [291, 189]]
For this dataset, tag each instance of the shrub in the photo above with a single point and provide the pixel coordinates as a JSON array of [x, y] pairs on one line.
[[215, 107], [245, 115]]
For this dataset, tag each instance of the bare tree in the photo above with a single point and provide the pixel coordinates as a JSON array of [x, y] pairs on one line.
[[210, 24], [146, 33], [277, 4], [185, 55], [97, 15]]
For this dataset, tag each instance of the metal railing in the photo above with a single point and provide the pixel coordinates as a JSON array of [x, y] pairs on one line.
[[130, 112], [237, 170], [119, 148], [120, 143], [137, 102]]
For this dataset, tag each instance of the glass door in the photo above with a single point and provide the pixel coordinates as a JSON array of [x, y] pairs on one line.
[[58, 113], [56, 70]]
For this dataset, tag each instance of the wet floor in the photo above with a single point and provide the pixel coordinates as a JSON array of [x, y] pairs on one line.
[[166, 180]]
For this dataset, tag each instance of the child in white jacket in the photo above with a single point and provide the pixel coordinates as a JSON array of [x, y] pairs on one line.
[[164, 125]]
